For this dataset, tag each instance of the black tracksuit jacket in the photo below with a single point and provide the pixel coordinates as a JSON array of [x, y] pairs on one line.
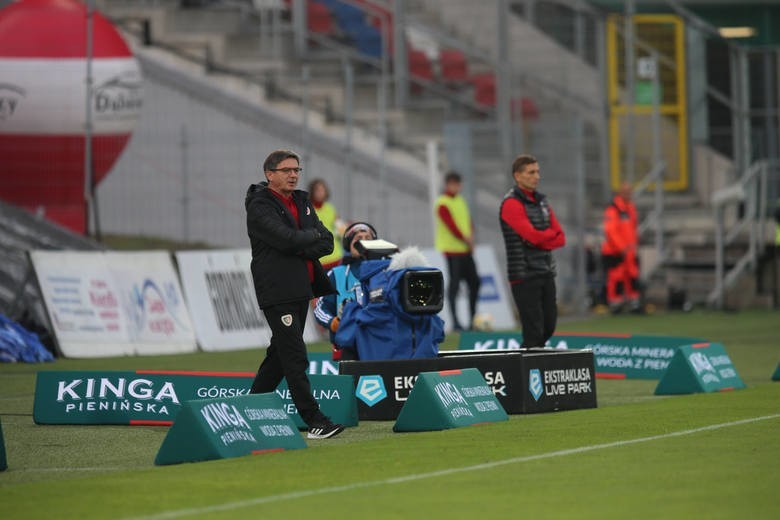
[[280, 249]]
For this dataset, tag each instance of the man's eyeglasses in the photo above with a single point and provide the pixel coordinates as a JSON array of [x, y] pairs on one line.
[[287, 171]]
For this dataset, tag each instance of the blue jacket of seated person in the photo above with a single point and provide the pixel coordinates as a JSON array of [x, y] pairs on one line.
[[348, 288], [381, 329]]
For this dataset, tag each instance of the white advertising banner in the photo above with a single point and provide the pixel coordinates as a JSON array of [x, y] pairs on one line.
[[493, 295], [221, 297], [104, 304]]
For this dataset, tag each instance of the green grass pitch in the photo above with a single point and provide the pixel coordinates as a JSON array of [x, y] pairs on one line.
[[635, 456]]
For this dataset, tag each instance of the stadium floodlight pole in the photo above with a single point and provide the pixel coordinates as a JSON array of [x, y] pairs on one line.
[[349, 94], [305, 105], [432, 155], [89, 188], [743, 74], [770, 85], [628, 38], [579, 204], [185, 185], [382, 102], [658, 156], [400, 67], [382, 95], [503, 82], [603, 123], [300, 25], [275, 26]]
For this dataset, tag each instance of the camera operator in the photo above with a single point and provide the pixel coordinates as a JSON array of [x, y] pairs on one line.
[[396, 316], [344, 279]]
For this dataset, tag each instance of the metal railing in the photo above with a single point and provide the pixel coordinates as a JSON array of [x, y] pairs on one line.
[[751, 192], [654, 219]]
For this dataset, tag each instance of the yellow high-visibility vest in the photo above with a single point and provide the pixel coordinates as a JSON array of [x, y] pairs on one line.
[[327, 214], [446, 241], [777, 222]]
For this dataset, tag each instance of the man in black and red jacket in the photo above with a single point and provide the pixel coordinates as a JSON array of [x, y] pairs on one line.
[[287, 239], [531, 232]]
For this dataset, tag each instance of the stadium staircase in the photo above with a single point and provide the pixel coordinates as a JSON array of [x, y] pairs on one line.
[[687, 276]]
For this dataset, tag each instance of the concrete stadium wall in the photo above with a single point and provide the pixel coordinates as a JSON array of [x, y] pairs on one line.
[[197, 148]]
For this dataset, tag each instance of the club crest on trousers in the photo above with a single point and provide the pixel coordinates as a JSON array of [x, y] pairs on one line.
[[287, 320]]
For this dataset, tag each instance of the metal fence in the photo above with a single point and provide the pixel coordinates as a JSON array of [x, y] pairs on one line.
[[363, 112]]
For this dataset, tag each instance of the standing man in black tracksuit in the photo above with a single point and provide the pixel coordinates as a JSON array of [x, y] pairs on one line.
[[287, 239], [531, 232]]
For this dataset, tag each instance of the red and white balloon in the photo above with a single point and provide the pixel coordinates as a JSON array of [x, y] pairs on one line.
[[43, 75]]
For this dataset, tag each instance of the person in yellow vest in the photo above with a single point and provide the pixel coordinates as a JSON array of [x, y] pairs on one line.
[[326, 212], [455, 240], [777, 223]]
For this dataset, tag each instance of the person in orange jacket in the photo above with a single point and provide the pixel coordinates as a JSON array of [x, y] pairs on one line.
[[619, 251]]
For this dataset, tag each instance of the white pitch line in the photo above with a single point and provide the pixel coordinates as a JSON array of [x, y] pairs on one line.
[[67, 470], [179, 513]]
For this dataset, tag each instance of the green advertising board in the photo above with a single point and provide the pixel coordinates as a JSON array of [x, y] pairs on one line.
[[616, 356], [3, 461], [322, 363], [449, 399], [141, 397], [209, 429], [776, 375], [702, 367], [335, 394], [154, 397]]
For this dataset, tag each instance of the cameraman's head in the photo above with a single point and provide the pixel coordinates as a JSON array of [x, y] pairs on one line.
[[356, 232]]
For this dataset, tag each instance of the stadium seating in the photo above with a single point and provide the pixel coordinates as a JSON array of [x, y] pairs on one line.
[[354, 23], [319, 19], [368, 41], [454, 68], [375, 21], [420, 68], [350, 19], [485, 95], [526, 107], [484, 89]]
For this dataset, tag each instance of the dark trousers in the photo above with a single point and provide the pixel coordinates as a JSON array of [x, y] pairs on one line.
[[286, 357], [462, 267], [536, 303]]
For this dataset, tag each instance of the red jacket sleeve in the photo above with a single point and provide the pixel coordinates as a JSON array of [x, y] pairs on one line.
[[446, 217], [615, 243], [559, 240], [513, 213]]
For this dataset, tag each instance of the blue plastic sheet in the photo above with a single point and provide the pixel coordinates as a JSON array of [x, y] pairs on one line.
[[19, 344]]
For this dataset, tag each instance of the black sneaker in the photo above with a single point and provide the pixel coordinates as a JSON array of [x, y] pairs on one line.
[[325, 430]]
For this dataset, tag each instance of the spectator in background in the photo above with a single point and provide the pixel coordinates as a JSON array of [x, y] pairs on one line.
[[287, 239], [455, 240], [777, 223], [619, 252], [531, 232], [343, 278], [319, 195]]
